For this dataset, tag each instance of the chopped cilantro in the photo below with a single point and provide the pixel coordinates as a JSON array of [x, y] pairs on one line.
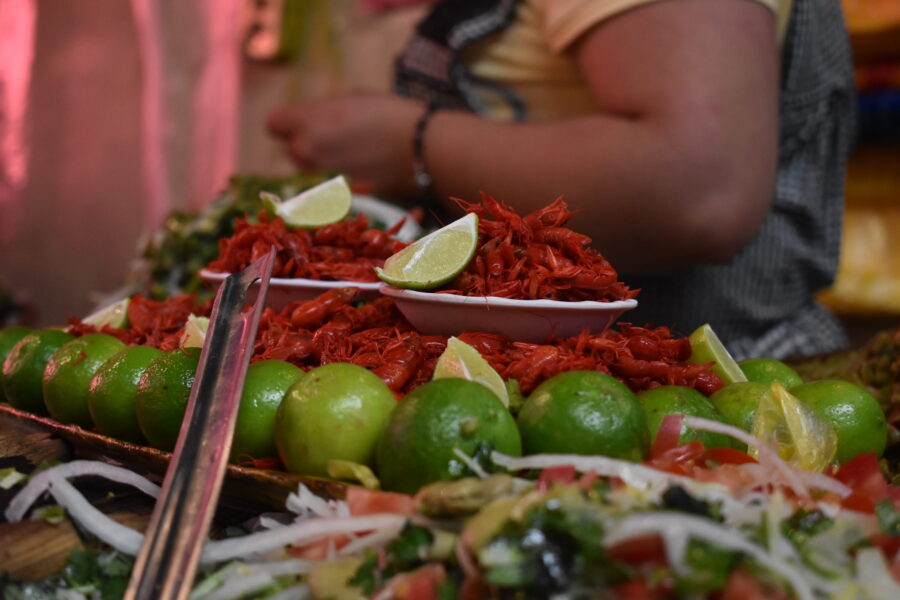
[[888, 518]]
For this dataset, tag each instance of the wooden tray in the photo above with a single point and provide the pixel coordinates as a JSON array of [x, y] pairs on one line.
[[242, 484]]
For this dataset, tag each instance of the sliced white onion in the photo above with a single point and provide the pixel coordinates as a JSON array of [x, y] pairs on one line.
[[296, 533], [673, 526], [636, 475], [377, 538], [122, 538], [873, 576], [797, 479], [305, 503], [470, 462], [38, 484]]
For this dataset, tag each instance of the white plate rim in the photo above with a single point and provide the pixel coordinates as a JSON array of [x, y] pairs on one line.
[[495, 301], [297, 282]]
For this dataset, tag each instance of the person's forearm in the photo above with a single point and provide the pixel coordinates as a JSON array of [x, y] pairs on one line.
[[651, 197]]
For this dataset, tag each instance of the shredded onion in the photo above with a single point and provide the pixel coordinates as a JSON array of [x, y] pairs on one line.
[[122, 538], [470, 462], [38, 484], [377, 538], [673, 527], [796, 478], [301, 531]]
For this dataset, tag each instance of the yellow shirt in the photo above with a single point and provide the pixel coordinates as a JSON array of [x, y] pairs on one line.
[[530, 56]]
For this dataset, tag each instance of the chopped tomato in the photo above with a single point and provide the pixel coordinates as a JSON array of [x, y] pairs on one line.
[[864, 476], [667, 435], [728, 456], [742, 586], [564, 474], [362, 501], [420, 584], [680, 459], [643, 550]]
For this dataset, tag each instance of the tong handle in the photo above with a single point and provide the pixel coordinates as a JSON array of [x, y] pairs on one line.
[[167, 563]]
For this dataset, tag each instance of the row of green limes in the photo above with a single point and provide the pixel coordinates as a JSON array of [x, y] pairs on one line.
[[137, 394], [342, 412]]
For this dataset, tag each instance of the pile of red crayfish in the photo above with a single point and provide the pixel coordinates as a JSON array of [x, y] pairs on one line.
[[336, 327], [151, 322], [348, 250], [534, 257]]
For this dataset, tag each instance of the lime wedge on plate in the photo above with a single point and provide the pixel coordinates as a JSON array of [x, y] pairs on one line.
[[194, 332], [464, 361], [328, 202], [434, 259], [115, 315], [706, 348]]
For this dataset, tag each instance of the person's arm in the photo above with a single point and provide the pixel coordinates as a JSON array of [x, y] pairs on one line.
[[679, 165]]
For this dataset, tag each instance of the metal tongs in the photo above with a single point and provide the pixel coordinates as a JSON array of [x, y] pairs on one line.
[[167, 563]]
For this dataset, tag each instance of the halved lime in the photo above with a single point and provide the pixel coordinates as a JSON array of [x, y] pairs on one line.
[[461, 360], [194, 332], [328, 202], [707, 348], [115, 315], [434, 259]]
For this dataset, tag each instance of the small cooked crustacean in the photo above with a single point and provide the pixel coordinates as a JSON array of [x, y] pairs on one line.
[[535, 257], [348, 250], [464, 496]]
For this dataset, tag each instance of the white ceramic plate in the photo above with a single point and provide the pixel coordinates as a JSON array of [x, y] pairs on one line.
[[388, 214], [519, 320], [283, 291]]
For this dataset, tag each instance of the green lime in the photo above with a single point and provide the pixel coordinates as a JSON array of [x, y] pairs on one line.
[[9, 337], [706, 347], [23, 369], [769, 370], [266, 384], [113, 390], [327, 202], [336, 411], [737, 402], [680, 400], [434, 259], [461, 360], [417, 447], [854, 413], [115, 315], [584, 412], [68, 374], [162, 396]]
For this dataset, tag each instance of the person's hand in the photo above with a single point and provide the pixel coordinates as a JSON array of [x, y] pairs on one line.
[[366, 137]]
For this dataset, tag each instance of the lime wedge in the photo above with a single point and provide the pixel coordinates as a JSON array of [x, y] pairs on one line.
[[352, 471], [115, 315], [194, 332], [461, 360], [800, 436], [434, 259], [328, 202], [706, 348]]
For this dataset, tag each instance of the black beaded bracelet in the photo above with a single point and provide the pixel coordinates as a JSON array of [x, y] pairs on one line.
[[421, 176]]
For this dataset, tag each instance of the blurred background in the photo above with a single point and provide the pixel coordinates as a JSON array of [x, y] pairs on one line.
[[114, 114]]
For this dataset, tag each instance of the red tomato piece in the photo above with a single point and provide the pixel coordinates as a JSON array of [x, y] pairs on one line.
[[362, 501], [667, 435], [728, 456], [564, 474]]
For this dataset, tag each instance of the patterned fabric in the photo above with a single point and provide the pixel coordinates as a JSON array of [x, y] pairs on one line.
[[430, 68], [760, 303]]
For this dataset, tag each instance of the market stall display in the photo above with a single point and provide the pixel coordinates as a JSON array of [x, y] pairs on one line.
[[487, 444]]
